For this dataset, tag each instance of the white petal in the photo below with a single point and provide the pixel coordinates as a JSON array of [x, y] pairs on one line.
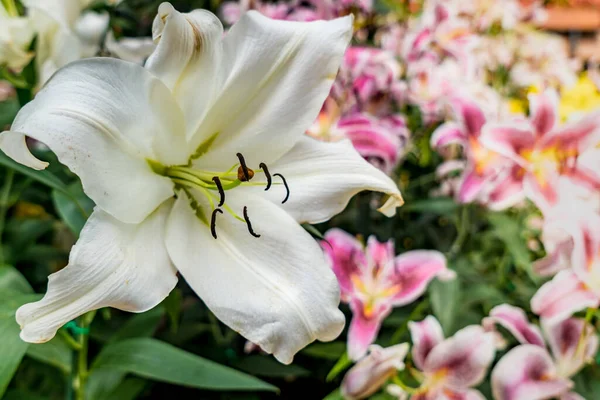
[[276, 290], [322, 178], [14, 145], [276, 77], [104, 118], [187, 58], [113, 264]]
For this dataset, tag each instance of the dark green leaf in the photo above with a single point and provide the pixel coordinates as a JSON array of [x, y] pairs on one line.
[[74, 209], [55, 352], [444, 302], [8, 111], [436, 205], [152, 359], [329, 351], [139, 325], [508, 230], [267, 366], [11, 281], [172, 305], [45, 177], [341, 365]]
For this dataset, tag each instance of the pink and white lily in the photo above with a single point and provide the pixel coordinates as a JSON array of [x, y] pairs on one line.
[[488, 176], [545, 151], [373, 281], [530, 371], [449, 368], [373, 370]]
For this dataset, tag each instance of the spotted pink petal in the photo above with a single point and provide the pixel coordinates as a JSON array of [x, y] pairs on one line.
[[365, 325], [469, 114], [527, 372], [425, 335], [562, 296], [515, 321], [509, 139], [413, 272], [448, 133], [463, 359], [346, 257], [544, 111], [573, 343]]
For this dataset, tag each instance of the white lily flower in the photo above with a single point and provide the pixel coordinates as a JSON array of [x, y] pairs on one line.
[[65, 33], [16, 34], [134, 49], [218, 123]]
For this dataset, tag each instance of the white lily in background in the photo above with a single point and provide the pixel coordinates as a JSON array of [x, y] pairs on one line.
[[16, 34], [198, 163], [65, 33]]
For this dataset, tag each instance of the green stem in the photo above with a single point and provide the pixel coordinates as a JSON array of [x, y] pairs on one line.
[[79, 371], [462, 228], [5, 197], [410, 390], [11, 8]]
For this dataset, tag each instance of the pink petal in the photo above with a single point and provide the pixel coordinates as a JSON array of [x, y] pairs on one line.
[[448, 133], [515, 321], [370, 373], [470, 115], [544, 110], [570, 345], [571, 396], [562, 296], [471, 186], [585, 177], [380, 255], [346, 257], [527, 373], [509, 139], [413, 272], [507, 189], [542, 189], [586, 250], [580, 135], [364, 326], [425, 336], [463, 359]]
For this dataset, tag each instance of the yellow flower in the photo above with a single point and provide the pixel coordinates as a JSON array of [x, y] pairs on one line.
[[581, 97]]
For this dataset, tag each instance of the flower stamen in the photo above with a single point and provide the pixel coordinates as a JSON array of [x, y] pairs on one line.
[[249, 224], [221, 191], [244, 173], [264, 168], [287, 189], [213, 222]]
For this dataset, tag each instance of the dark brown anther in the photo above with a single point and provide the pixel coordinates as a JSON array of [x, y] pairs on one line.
[[244, 173], [213, 222], [221, 191], [263, 166], [287, 189], [249, 223]]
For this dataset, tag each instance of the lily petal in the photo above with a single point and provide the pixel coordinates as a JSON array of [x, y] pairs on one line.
[[469, 114], [515, 321], [544, 111], [463, 359], [562, 296], [448, 133], [471, 185], [187, 59], [364, 328], [113, 264], [272, 89], [571, 346], [527, 373], [425, 336], [508, 139], [346, 257], [322, 177], [104, 118], [277, 290], [413, 272]]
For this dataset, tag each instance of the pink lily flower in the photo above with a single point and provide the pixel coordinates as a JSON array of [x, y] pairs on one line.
[[372, 371], [373, 281], [546, 152], [577, 288], [450, 367], [530, 371], [488, 177]]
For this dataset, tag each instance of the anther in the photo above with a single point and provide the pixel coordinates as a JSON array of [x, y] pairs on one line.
[[287, 189], [213, 222], [249, 223], [263, 166], [244, 173], [220, 188]]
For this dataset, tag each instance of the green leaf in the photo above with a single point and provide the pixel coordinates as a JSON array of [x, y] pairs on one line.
[[152, 359], [172, 306], [508, 230], [129, 389], [335, 395], [45, 177], [55, 352], [73, 209], [444, 302], [342, 364], [139, 325], [8, 111], [267, 366], [328, 351], [21, 394], [11, 281], [12, 348], [436, 205]]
